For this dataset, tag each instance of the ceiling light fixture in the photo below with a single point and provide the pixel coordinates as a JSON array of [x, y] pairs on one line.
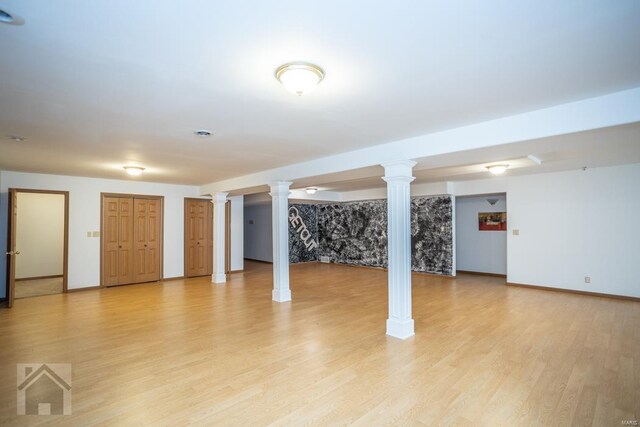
[[497, 169], [5, 17], [134, 170], [299, 77], [9, 18], [311, 190], [203, 133], [17, 138]]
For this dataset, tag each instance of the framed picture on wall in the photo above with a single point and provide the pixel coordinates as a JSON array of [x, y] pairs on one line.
[[492, 221]]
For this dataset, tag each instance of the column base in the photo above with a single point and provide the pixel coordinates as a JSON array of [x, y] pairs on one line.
[[281, 295], [218, 278], [402, 329]]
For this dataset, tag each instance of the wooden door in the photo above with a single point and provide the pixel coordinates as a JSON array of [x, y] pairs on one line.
[[117, 240], [110, 241], [154, 230], [11, 246], [198, 237], [146, 247], [125, 240]]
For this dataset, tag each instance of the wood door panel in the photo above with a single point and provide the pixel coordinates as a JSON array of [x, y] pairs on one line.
[[111, 235], [152, 265], [132, 240], [191, 260], [153, 239], [111, 266], [197, 239], [200, 259], [125, 240], [110, 241], [140, 245]]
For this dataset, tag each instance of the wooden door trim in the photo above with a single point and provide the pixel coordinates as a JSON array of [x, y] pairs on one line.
[[65, 251], [135, 196]]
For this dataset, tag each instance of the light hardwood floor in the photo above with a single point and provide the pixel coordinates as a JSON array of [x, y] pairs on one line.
[[191, 352]]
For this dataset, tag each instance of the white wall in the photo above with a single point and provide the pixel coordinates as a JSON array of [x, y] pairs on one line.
[[258, 236], [480, 251], [237, 232], [39, 235], [84, 215], [572, 224]]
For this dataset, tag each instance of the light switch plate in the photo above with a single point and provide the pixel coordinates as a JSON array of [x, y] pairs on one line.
[[516, 232], [88, 234], [96, 234]]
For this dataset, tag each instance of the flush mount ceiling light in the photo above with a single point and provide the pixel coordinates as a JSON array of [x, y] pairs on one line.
[[299, 77], [134, 170], [8, 18], [203, 133], [311, 190], [17, 138], [5, 17], [497, 169]]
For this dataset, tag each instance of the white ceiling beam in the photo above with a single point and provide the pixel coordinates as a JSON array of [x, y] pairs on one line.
[[604, 111]]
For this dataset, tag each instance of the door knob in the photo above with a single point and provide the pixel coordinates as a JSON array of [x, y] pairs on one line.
[[12, 253]]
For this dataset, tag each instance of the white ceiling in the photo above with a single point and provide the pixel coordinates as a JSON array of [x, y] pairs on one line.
[[96, 85], [598, 148]]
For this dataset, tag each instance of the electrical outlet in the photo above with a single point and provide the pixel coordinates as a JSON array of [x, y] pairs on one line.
[[325, 259], [516, 232], [587, 279]]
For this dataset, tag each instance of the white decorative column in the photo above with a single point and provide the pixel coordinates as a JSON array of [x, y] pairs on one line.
[[398, 177], [280, 223], [219, 201]]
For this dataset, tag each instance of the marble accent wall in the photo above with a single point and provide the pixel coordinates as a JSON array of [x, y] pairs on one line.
[[303, 233], [432, 235], [354, 232]]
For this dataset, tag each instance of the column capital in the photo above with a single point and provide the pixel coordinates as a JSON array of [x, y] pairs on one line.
[[398, 168], [279, 188], [219, 197]]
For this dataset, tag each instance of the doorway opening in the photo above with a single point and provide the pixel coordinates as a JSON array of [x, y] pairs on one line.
[[481, 234], [38, 243]]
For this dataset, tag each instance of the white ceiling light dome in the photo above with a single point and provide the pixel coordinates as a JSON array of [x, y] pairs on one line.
[[311, 190], [134, 170], [10, 18], [299, 77], [497, 169]]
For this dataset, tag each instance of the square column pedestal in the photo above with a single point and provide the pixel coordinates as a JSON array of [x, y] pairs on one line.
[[398, 178], [280, 223], [219, 201]]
